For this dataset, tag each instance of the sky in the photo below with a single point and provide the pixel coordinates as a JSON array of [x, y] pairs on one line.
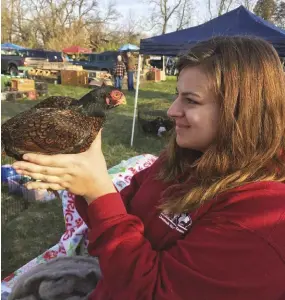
[[140, 9]]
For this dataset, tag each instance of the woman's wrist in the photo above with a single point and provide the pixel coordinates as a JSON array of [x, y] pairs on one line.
[[107, 188]]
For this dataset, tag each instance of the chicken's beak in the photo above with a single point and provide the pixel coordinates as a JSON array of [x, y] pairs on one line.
[[120, 102], [123, 101]]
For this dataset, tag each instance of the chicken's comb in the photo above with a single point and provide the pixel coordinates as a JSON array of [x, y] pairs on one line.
[[116, 95]]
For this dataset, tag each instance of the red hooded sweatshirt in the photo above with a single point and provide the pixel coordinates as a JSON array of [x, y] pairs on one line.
[[231, 248]]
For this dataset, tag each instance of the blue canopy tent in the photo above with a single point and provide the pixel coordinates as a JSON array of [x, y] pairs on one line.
[[129, 47], [239, 21], [11, 46]]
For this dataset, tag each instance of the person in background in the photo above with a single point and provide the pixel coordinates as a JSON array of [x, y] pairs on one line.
[[131, 67], [66, 58], [206, 221], [119, 72]]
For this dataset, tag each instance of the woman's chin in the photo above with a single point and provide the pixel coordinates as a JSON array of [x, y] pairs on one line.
[[182, 143]]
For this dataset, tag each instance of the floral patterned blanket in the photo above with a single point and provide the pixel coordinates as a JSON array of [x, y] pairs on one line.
[[74, 239]]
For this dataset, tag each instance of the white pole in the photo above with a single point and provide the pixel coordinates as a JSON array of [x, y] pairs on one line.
[[136, 99]]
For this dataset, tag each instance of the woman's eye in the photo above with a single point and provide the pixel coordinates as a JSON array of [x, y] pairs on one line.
[[190, 101]]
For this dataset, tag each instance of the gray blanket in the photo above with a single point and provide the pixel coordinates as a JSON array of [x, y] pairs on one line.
[[63, 278]]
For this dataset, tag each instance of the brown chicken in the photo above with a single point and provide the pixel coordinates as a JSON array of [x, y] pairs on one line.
[[56, 102], [59, 124]]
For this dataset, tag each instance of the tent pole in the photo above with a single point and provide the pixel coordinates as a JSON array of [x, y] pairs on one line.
[[136, 99]]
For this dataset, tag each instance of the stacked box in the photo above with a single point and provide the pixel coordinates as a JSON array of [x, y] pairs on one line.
[[22, 85], [13, 96], [75, 78]]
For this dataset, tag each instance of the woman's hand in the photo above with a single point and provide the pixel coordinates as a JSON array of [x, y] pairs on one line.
[[83, 174]]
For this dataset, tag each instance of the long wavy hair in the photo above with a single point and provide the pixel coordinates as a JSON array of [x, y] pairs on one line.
[[248, 79]]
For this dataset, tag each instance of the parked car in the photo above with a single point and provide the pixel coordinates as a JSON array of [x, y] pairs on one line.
[[33, 55], [98, 61], [11, 61]]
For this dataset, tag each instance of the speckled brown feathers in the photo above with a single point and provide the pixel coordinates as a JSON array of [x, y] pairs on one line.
[[57, 125], [50, 131], [61, 102]]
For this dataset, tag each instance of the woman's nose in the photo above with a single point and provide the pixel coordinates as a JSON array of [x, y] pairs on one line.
[[175, 110]]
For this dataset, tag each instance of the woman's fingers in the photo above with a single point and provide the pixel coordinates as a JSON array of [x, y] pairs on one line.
[[42, 177], [44, 186], [33, 168], [58, 160]]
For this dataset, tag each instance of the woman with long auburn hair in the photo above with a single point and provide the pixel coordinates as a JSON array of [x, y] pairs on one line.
[[207, 219]]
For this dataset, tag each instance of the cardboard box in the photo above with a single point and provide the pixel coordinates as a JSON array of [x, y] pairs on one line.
[[22, 85], [75, 78]]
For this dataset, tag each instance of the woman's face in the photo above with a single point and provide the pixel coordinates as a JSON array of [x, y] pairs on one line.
[[195, 110]]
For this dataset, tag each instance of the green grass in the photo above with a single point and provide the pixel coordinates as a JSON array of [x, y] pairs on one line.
[[40, 226]]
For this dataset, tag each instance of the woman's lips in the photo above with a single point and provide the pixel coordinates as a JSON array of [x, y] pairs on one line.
[[180, 126]]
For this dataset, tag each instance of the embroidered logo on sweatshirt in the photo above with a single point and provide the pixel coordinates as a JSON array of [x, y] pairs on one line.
[[179, 222]]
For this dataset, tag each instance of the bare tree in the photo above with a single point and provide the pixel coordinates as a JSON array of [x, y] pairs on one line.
[[224, 6], [209, 6], [279, 16], [266, 9], [248, 4], [55, 24], [99, 27], [132, 27], [163, 12], [8, 8], [6, 22], [184, 14], [219, 8], [48, 23]]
